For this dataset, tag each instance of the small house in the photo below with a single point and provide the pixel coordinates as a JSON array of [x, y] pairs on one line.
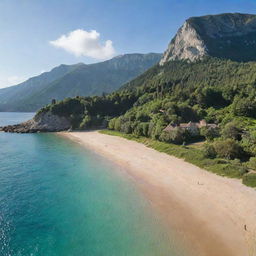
[[192, 127]]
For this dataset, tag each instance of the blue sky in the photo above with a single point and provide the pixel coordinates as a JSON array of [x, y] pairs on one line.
[[30, 30]]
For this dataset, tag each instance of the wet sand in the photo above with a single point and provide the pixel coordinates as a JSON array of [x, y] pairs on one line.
[[207, 211]]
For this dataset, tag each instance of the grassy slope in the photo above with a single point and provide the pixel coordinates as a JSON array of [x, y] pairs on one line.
[[193, 155]]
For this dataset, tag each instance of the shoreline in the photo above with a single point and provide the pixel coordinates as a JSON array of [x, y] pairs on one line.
[[209, 211]]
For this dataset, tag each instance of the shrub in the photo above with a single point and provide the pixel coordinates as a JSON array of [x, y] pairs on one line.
[[117, 125], [145, 126], [111, 124], [84, 124], [249, 179], [165, 137], [209, 150], [156, 126], [209, 133], [177, 136], [138, 130], [232, 130], [228, 148], [126, 127], [249, 142], [252, 163]]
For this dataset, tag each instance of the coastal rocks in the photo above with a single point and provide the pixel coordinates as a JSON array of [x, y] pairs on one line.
[[43, 122], [228, 35]]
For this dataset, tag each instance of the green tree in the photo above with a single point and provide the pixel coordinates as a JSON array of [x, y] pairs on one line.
[[228, 148], [117, 125], [252, 163], [111, 124], [232, 130], [209, 150], [86, 122], [209, 133], [244, 106], [177, 136]]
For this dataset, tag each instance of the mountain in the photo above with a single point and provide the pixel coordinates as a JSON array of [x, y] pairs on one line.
[[211, 99], [26, 89], [73, 80], [229, 35]]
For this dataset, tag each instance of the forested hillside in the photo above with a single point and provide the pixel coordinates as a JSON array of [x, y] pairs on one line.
[[220, 91], [213, 89], [195, 94]]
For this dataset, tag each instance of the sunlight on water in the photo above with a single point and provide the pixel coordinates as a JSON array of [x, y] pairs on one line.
[[57, 198]]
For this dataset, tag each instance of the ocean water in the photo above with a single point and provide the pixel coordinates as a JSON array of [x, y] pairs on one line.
[[59, 199]]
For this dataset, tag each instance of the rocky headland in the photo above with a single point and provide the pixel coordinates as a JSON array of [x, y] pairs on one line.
[[42, 122]]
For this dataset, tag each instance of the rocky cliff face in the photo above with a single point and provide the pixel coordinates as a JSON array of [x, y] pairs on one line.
[[230, 35], [43, 122], [187, 44]]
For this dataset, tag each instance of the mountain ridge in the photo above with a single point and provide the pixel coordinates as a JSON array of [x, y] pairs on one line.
[[211, 90], [73, 80]]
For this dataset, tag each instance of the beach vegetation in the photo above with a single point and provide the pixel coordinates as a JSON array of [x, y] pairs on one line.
[[249, 179], [221, 92], [252, 163], [224, 167], [228, 148]]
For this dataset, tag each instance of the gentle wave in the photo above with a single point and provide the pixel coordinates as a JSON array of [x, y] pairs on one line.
[[57, 198]]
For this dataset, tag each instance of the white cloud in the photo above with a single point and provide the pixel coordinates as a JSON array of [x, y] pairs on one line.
[[85, 43], [11, 80]]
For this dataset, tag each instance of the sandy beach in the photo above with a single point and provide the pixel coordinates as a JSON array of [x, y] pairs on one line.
[[215, 215]]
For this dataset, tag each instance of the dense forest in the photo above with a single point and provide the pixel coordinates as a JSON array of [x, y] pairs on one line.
[[220, 91]]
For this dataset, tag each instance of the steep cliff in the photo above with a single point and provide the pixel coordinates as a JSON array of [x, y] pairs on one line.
[[230, 36]]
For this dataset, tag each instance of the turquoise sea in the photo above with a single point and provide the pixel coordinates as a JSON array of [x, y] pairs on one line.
[[59, 199]]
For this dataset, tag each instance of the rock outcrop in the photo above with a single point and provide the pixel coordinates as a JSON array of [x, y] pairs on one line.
[[43, 122], [230, 35]]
